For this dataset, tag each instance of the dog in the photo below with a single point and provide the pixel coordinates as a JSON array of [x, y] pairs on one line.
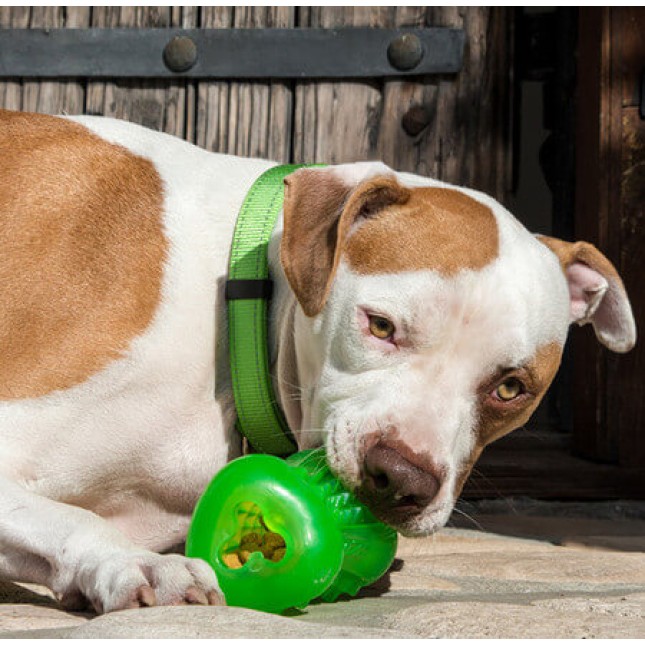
[[412, 323]]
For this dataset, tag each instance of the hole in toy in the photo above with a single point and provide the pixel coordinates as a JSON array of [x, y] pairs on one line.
[[252, 536]]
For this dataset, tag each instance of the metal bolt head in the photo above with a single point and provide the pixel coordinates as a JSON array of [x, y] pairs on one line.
[[405, 52], [416, 120], [180, 54]]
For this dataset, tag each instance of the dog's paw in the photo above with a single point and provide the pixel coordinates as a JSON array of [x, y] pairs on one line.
[[144, 579]]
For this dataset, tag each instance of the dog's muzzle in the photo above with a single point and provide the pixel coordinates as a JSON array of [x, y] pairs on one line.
[[395, 489]]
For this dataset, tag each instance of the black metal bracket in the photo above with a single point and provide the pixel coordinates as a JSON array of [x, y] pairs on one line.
[[229, 53]]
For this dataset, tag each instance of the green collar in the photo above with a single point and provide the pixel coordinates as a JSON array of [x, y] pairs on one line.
[[248, 290]]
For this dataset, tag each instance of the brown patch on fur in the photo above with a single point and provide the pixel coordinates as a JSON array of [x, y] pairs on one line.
[[465, 470], [82, 244], [570, 252], [498, 420], [440, 229], [313, 202], [495, 421], [399, 229], [318, 215], [608, 310]]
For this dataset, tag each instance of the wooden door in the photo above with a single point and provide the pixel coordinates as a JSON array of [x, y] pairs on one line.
[[604, 456], [610, 209], [455, 127]]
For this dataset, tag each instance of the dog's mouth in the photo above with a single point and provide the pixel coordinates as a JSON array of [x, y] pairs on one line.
[[395, 510], [405, 517], [398, 493], [401, 512]]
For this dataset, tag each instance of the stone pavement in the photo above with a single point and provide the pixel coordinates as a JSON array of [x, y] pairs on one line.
[[529, 570]]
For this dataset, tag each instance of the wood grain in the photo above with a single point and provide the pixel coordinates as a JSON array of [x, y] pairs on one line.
[[366, 117], [593, 179], [305, 121], [53, 97], [632, 44], [541, 465], [337, 122], [243, 118], [626, 374], [610, 396], [11, 91], [157, 104]]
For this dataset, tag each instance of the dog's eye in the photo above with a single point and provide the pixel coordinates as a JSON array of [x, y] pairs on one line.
[[510, 389], [381, 327]]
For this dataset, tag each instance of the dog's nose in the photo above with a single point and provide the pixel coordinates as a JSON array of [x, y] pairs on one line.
[[393, 487]]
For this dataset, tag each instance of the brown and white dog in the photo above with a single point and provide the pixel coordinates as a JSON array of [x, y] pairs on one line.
[[412, 323]]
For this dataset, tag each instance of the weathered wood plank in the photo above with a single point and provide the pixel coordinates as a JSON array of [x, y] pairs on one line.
[[250, 119], [54, 97], [626, 374], [597, 203], [339, 122], [590, 440], [414, 101], [632, 42], [253, 130], [334, 122], [213, 97], [472, 137], [541, 465], [188, 17], [160, 105], [610, 390], [11, 91]]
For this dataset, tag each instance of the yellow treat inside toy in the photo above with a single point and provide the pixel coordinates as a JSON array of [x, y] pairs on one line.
[[232, 561], [270, 545]]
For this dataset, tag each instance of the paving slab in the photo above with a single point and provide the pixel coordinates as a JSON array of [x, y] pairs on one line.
[[536, 576]]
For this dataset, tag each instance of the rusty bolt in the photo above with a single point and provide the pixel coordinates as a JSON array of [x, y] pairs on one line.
[[180, 54], [405, 52], [416, 120]]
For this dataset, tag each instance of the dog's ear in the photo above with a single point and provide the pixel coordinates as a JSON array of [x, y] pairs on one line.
[[320, 210], [596, 292]]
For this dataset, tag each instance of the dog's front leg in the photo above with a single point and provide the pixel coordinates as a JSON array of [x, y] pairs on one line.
[[80, 556]]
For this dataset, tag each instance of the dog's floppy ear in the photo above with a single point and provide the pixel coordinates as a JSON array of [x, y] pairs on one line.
[[596, 292], [319, 212]]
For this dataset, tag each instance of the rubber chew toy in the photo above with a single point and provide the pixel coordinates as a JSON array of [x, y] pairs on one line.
[[280, 533]]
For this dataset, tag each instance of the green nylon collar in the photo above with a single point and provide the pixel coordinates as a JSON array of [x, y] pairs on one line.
[[259, 417]]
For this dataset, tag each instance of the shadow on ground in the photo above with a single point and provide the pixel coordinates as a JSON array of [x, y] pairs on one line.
[[607, 525]]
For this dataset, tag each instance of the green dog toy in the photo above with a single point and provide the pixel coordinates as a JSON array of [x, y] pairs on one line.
[[280, 533]]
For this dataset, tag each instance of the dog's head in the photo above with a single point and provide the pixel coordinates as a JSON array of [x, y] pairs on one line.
[[430, 323]]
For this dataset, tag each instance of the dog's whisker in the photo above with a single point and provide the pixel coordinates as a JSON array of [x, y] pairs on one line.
[[469, 517], [316, 471], [488, 480], [295, 386]]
